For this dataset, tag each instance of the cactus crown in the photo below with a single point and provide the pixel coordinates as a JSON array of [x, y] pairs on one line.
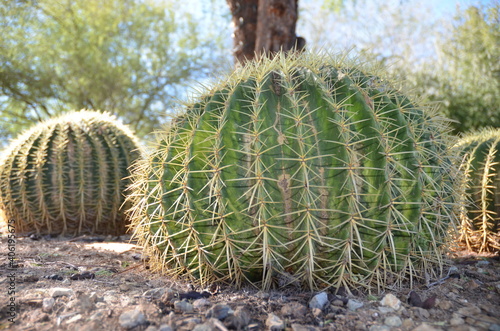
[[480, 221], [65, 175], [304, 170]]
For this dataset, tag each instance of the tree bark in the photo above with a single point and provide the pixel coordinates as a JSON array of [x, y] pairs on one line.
[[264, 27]]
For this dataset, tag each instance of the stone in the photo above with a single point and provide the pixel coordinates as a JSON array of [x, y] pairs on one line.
[[338, 303], [379, 328], [445, 304], [319, 301], [425, 327], [299, 327], [469, 311], [151, 328], [200, 304], [132, 318], [239, 319], [84, 304], [203, 327], [421, 313], [393, 321], [352, 305], [219, 311], [390, 300], [168, 296], [455, 321], [38, 316], [183, 306], [60, 292], [165, 327], [316, 312], [74, 319], [155, 293], [48, 304], [407, 324], [385, 310], [274, 323], [294, 309]]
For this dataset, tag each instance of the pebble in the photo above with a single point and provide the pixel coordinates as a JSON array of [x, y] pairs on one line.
[[219, 311], [48, 304], [319, 301], [352, 305], [239, 319], [379, 328], [131, 318], [393, 321], [425, 327], [165, 327], [60, 292], [385, 310], [421, 313], [183, 306], [294, 309], [390, 300], [201, 303], [299, 327], [455, 321], [274, 323]]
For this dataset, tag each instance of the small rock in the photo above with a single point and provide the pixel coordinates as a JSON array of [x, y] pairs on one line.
[[352, 305], [338, 303], [203, 327], [425, 327], [274, 323], [407, 324], [219, 311], [294, 309], [151, 328], [74, 319], [84, 304], [201, 303], [60, 292], [482, 263], [379, 328], [131, 318], [445, 304], [168, 296], [316, 312], [298, 327], [389, 300], [494, 327], [393, 321], [239, 319], [385, 310], [421, 313], [183, 306], [319, 301], [48, 304], [155, 293], [165, 327], [455, 321], [469, 311]]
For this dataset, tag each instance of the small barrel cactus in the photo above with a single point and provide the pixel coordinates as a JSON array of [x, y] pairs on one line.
[[65, 175], [480, 221], [298, 170]]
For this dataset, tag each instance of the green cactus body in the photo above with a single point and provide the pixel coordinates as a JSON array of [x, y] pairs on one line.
[[305, 169], [66, 175], [480, 226]]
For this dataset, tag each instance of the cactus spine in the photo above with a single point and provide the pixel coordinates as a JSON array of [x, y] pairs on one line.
[[65, 175], [480, 221], [305, 169]]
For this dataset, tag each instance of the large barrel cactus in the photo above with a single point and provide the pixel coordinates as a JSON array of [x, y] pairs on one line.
[[65, 175], [480, 222], [305, 170]]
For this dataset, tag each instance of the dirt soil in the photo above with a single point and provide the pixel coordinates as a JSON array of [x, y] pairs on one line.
[[102, 283]]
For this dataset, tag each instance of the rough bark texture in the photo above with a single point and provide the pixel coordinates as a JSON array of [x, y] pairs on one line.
[[264, 27]]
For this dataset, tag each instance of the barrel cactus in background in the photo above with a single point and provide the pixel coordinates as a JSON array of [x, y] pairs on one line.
[[65, 175], [480, 221], [302, 169]]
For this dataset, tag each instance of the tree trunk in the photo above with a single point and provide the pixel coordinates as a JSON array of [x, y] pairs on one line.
[[264, 27]]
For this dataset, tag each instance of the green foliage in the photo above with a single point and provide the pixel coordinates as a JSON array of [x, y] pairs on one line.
[[468, 75], [129, 57], [66, 175], [307, 170], [480, 225]]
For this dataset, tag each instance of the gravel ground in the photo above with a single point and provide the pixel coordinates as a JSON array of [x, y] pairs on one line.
[[101, 283]]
